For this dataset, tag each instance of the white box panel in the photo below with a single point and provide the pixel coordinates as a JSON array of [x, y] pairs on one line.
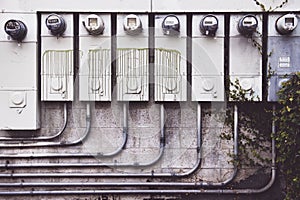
[[57, 62], [20, 110], [132, 62], [208, 62], [208, 88], [19, 76], [95, 62], [284, 54], [245, 59], [170, 62]]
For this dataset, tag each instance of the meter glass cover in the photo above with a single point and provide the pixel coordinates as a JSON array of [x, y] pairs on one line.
[[131, 22], [93, 22], [289, 21]]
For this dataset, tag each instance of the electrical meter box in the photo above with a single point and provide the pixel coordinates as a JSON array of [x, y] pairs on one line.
[[132, 57], [208, 58], [19, 103], [170, 58], [57, 52], [95, 57], [283, 45], [245, 54]]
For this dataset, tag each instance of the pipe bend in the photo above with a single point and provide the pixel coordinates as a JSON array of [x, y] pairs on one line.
[[56, 144], [172, 184], [42, 137]]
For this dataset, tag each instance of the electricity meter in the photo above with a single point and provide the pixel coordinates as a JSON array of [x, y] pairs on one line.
[[209, 25], [132, 24], [94, 24], [16, 29], [56, 24], [286, 24], [247, 25], [171, 25]]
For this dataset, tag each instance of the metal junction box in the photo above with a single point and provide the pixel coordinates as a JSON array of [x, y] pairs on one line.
[[57, 57], [208, 58], [245, 53], [170, 58], [18, 73], [95, 57], [132, 57], [283, 50]]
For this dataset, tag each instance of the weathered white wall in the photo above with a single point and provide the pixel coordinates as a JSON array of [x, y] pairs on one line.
[[145, 5]]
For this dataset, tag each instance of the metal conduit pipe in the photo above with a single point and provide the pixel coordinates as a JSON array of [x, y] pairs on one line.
[[56, 144], [42, 137], [115, 164], [152, 174], [148, 191], [72, 155], [162, 117], [125, 137]]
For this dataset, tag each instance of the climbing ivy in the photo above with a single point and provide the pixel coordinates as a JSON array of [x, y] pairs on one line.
[[238, 93], [255, 121], [254, 127], [263, 7], [287, 136]]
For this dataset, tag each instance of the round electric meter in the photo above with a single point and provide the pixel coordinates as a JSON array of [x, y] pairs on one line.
[[16, 29], [247, 25], [56, 24], [132, 24], [209, 25], [94, 24], [171, 25], [286, 24]]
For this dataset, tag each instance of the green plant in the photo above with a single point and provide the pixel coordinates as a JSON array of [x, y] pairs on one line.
[[238, 93], [254, 127], [287, 136]]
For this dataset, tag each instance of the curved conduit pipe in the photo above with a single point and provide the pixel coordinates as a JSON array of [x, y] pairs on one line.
[[152, 174], [148, 191], [66, 155], [42, 137], [56, 144], [56, 165]]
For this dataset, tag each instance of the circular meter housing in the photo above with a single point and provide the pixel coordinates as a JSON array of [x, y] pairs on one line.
[[209, 25], [56, 24], [286, 24], [247, 25], [94, 24], [171, 25], [132, 24], [16, 29]]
